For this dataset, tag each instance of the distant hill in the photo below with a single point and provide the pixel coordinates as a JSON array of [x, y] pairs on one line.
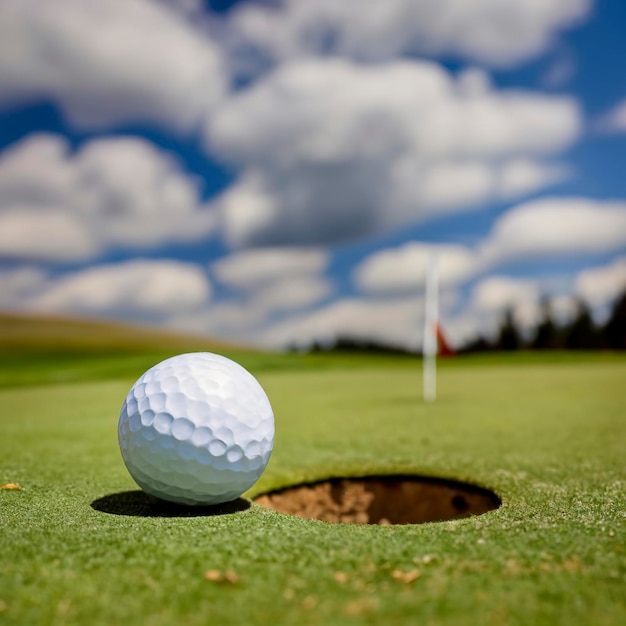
[[31, 333]]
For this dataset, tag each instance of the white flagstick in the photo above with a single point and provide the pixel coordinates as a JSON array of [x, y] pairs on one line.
[[430, 331]]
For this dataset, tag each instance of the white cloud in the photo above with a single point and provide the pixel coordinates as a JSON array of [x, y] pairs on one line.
[[116, 192], [461, 329], [557, 226], [108, 62], [143, 289], [395, 322], [490, 298], [331, 150], [245, 319], [599, 286], [499, 292], [500, 33], [525, 298], [319, 110], [542, 229], [192, 8], [495, 294], [536, 230], [254, 269], [398, 320], [269, 281], [291, 294], [51, 235], [228, 320], [404, 268], [19, 285], [522, 176], [447, 185], [563, 308]]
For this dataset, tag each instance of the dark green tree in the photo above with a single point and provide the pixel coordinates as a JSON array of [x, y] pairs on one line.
[[316, 346], [581, 333], [547, 334], [509, 337], [478, 344], [615, 327]]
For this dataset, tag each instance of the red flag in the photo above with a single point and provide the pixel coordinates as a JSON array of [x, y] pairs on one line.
[[443, 347]]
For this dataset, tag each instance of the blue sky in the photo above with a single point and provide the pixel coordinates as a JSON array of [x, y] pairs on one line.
[[281, 174]]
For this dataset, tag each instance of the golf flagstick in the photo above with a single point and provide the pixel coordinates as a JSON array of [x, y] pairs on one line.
[[430, 343]]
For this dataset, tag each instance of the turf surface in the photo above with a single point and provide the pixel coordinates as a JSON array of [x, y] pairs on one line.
[[79, 545]]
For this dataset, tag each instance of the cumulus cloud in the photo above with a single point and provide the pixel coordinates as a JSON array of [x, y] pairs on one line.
[[107, 63], [499, 33], [51, 235], [538, 230], [488, 301], [291, 294], [193, 8], [395, 322], [268, 282], [564, 308], [246, 318], [522, 176], [18, 286], [253, 269], [148, 290], [542, 229], [528, 299], [404, 268], [557, 226], [117, 192], [330, 150], [229, 320], [599, 286], [499, 292]]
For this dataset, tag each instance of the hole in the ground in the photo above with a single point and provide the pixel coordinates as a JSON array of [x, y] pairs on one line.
[[382, 500]]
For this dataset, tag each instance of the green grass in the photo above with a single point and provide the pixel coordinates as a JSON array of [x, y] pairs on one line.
[[547, 435]]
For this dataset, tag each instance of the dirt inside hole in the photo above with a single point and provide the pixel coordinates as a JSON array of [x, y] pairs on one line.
[[382, 500]]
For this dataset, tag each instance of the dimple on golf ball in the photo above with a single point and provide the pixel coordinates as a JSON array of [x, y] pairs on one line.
[[196, 429]]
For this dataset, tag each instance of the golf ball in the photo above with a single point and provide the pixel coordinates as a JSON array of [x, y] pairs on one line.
[[196, 429]]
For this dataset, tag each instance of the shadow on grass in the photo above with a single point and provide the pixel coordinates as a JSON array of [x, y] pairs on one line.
[[140, 504]]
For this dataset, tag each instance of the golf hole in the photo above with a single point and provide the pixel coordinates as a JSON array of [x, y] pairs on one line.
[[382, 500]]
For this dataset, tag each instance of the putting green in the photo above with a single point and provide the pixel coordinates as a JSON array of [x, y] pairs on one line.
[[549, 438]]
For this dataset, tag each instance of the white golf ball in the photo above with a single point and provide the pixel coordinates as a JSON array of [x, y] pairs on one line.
[[196, 429]]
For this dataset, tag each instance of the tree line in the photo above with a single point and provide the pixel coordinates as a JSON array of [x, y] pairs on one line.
[[581, 333]]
